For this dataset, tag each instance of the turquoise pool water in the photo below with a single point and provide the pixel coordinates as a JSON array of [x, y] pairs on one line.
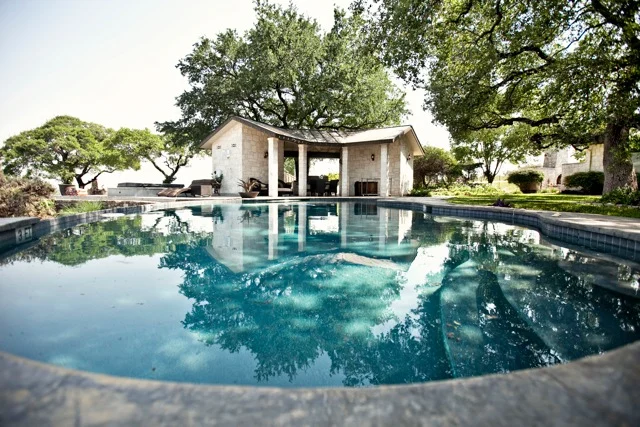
[[305, 295]]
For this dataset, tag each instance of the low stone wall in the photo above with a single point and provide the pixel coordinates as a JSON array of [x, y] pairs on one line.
[[134, 191]]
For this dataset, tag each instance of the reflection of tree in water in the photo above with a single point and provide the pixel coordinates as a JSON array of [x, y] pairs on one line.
[[291, 313], [528, 309], [120, 236], [288, 314], [541, 300]]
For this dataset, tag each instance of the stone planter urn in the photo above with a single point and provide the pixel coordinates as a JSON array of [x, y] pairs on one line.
[[63, 188], [249, 194]]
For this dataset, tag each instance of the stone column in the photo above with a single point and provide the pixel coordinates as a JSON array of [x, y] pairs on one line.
[[344, 172], [281, 160], [273, 166], [384, 170], [302, 170], [302, 227], [273, 230]]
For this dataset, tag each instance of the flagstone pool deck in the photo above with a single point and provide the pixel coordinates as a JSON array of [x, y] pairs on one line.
[[597, 390]]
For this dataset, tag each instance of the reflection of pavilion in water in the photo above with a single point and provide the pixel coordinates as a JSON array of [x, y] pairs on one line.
[[250, 237]]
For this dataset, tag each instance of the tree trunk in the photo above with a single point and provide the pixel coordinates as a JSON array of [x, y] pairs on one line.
[[618, 167], [80, 182], [490, 176], [168, 179]]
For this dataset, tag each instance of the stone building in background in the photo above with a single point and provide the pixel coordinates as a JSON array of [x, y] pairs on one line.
[[556, 165]]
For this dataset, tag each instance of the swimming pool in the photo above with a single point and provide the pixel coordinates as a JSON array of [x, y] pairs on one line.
[[310, 294]]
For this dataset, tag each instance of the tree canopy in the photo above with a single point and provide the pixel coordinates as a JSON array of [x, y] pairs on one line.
[[285, 71], [165, 152], [65, 148], [570, 70], [436, 166], [493, 147]]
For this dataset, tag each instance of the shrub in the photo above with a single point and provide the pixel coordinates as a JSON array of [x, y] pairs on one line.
[[525, 176], [550, 190], [25, 197], [420, 192], [468, 190], [82, 207], [622, 196], [589, 182]]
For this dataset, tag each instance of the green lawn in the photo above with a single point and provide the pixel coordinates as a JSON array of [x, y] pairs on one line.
[[552, 202]]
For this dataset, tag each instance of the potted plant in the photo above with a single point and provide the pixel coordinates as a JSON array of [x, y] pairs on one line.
[[66, 186], [216, 182], [528, 180], [248, 187]]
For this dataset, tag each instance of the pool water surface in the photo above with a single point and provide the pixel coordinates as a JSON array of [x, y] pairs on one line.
[[311, 294]]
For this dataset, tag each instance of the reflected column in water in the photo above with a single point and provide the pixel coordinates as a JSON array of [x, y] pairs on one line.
[[302, 227], [344, 217], [273, 231], [383, 227]]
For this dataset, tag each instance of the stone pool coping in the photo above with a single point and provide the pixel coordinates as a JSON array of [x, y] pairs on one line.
[[597, 390], [600, 389]]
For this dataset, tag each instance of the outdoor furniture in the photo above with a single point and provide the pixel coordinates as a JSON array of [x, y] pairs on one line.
[[284, 188], [367, 187], [197, 188], [263, 189], [316, 185], [260, 187], [147, 185], [332, 187]]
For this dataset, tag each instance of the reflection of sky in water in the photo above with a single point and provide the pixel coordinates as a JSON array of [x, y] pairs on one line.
[[310, 295]]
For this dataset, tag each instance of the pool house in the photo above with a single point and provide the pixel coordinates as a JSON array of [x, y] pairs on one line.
[[372, 162]]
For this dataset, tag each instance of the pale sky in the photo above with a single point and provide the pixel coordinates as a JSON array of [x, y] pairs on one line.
[[113, 62]]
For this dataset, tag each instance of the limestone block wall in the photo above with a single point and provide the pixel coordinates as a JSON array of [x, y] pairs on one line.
[[551, 175], [254, 164], [571, 168], [405, 180], [360, 165], [395, 171], [226, 158], [400, 169]]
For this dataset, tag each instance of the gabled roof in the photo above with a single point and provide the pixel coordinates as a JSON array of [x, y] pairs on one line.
[[323, 137]]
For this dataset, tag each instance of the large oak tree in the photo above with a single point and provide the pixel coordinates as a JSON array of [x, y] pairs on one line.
[[569, 69], [286, 71], [65, 148]]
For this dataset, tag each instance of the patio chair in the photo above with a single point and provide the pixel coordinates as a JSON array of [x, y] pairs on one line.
[[332, 187], [199, 187], [318, 187], [283, 187], [261, 187]]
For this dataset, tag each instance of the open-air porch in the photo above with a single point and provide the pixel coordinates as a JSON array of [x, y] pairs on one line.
[[372, 162]]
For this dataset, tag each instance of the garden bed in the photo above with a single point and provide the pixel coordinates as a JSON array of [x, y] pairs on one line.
[[70, 207]]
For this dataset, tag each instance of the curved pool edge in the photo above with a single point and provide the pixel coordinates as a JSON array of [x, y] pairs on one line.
[[599, 390]]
